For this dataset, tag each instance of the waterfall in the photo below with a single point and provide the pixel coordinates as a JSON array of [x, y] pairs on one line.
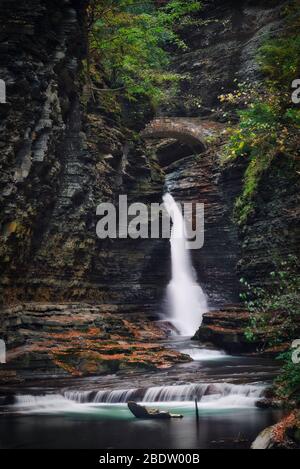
[[186, 298], [223, 393], [218, 394], [177, 393], [104, 397], [210, 396], [198, 354]]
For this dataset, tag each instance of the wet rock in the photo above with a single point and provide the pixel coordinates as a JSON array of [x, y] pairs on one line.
[[141, 412], [82, 340], [8, 376], [225, 329], [7, 399], [284, 435], [270, 404], [265, 440]]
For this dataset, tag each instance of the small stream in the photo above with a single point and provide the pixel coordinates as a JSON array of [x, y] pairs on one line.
[[92, 412]]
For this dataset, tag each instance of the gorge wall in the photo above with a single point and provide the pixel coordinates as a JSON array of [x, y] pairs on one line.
[[62, 154], [222, 52]]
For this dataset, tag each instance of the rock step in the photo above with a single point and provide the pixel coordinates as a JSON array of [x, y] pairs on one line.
[[74, 340], [226, 330]]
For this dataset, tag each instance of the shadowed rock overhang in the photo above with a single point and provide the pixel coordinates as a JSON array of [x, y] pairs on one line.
[[192, 131]]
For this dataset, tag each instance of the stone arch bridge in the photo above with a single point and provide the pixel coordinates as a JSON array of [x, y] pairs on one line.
[[194, 132]]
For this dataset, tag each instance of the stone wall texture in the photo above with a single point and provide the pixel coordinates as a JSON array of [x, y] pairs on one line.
[[60, 158]]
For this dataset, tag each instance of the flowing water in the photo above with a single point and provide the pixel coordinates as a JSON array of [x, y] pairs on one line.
[[92, 413], [187, 300]]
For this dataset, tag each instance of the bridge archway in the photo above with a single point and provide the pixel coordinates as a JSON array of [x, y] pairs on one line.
[[188, 136]]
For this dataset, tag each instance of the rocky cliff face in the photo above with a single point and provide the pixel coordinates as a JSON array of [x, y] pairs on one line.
[[41, 51], [273, 232], [222, 51], [62, 154], [61, 157]]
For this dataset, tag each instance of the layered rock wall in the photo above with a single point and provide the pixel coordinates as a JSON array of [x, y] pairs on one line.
[[62, 155], [223, 42]]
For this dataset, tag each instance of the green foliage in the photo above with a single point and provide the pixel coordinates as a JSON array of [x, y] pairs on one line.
[[269, 126], [275, 316], [288, 382], [130, 40], [275, 310], [280, 57]]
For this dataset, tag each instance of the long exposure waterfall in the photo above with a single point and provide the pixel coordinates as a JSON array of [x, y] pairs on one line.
[[186, 298], [218, 395]]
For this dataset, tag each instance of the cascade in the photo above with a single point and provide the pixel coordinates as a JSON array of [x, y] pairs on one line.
[[186, 299]]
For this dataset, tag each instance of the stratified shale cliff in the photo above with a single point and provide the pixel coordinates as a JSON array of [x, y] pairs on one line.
[[223, 46], [62, 155], [223, 42], [41, 51], [222, 51]]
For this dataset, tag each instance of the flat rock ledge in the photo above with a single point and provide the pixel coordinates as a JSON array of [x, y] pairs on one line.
[[81, 340], [226, 328]]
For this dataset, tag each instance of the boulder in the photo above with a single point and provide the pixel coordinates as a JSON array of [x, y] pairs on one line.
[[141, 412], [265, 440]]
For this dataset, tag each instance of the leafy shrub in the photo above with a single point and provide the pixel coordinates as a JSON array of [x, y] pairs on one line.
[[288, 382], [130, 39], [275, 315], [275, 310]]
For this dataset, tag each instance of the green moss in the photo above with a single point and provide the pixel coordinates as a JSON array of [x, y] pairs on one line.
[[245, 204]]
